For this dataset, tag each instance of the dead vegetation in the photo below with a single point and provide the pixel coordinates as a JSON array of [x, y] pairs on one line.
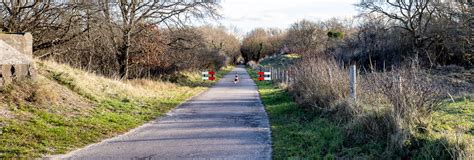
[[394, 109]]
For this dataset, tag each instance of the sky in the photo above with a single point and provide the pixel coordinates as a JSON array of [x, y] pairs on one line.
[[249, 14]]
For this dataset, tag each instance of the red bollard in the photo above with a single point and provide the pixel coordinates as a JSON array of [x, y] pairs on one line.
[[211, 73], [260, 76]]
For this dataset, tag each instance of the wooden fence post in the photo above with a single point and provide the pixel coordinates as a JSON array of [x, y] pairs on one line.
[[278, 74], [294, 75], [289, 75], [282, 79], [282, 76], [271, 73], [353, 81], [274, 74]]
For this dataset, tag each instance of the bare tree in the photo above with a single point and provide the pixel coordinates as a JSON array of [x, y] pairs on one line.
[[305, 35], [253, 44], [414, 16], [52, 23], [432, 26], [220, 40], [127, 15]]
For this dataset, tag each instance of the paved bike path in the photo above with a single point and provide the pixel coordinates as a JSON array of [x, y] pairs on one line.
[[228, 121]]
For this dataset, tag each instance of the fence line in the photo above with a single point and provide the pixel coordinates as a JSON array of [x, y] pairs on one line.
[[287, 76], [280, 75]]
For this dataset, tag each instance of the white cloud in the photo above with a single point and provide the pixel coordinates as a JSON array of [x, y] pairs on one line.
[[249, 14]]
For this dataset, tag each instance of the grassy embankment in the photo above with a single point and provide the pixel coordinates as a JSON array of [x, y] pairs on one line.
[[297, 134], [67, 108]]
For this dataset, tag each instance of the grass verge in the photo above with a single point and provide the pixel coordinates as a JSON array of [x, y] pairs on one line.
[[297, 134], [66, 108], [193, 79]]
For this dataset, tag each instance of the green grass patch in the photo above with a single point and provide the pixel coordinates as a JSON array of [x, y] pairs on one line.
[[43, 132], [194, 79], [457, 116], [297, 134]]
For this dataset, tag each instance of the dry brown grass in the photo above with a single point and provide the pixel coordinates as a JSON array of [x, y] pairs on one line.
[[43, 93], [392, 108], [101, 87], [399, 104], [68, 91], [323, 86], [408, 91]]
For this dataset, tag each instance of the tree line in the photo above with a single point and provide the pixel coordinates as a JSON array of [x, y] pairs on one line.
[[125, 39], [397, 46], [385, 33]]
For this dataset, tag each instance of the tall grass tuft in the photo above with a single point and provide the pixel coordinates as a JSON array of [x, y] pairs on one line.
[[392, 111], [322, 86]]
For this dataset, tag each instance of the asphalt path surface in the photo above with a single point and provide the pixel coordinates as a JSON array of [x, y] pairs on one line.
[[228, 121]]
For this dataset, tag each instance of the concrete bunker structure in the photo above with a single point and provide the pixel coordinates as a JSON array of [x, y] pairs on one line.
[[16, 57]]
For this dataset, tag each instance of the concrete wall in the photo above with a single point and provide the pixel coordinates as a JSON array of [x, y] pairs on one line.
[[21, 42], [9, 71]]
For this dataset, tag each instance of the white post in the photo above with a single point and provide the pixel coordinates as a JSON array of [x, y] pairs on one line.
[[287, 79], [353, 82]]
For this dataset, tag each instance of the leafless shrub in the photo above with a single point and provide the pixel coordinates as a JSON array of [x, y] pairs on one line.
[[410, 93], [323, 86], [406, 98]]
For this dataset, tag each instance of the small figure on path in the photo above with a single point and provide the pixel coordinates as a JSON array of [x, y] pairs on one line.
[[236, 79]]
